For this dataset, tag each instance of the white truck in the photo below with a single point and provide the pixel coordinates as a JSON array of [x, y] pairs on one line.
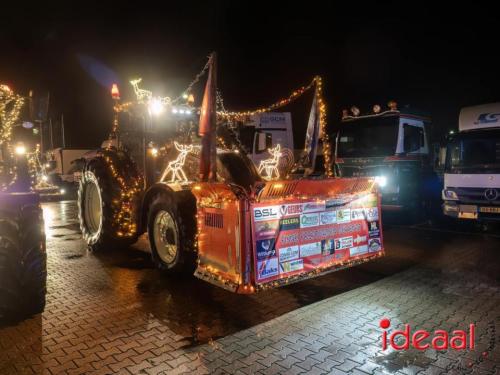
[[261, 132], [61, 164], [472, 169]]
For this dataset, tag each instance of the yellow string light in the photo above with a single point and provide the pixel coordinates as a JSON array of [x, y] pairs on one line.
[[317, 82], [235, 115], [10, 109], [125, 218]]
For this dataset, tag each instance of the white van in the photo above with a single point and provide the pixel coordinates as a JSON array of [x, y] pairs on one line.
[[472, 169]]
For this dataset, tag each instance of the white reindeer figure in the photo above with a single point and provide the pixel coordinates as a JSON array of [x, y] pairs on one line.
[[175, 166], [270, 166], [141, 93]]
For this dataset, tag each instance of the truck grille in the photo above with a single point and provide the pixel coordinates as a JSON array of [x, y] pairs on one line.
[[476, 195]]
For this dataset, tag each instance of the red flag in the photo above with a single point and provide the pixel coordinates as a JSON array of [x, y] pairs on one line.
[[207, 124]]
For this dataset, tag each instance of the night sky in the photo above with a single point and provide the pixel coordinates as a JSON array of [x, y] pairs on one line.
[[434, 58]]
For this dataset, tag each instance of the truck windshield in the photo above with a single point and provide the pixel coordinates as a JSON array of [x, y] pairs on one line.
[[373, 136], [474, 152]]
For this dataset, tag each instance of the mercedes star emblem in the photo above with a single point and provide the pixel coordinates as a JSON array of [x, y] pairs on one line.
[[491, 194]]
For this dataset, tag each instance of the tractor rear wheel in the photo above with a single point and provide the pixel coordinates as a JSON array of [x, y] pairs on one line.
[[171, 229], [99, 195], [23, 265]]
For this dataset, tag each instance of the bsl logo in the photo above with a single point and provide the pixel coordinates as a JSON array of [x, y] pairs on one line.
[[266, 213], [422, 339]]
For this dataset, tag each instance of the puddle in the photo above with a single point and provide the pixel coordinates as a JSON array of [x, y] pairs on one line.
[[397, 360]]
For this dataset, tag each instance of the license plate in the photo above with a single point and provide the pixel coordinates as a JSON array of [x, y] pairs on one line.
[[467, 211], [490, 210], [467, 215]]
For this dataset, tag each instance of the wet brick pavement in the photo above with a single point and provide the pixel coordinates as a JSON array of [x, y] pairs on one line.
[[113, 313]]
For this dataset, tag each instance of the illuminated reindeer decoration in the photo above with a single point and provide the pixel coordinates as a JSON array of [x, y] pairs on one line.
[[146, 96], [142, 95], [270, 166], [175, 166]]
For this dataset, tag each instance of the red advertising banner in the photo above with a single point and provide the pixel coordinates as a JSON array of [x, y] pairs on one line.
[[306, 235]]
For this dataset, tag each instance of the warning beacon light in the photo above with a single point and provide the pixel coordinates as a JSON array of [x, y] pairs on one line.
[[393, 106], [115, 93]]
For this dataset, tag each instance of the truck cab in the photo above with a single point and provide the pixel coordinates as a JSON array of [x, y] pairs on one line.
[[261, 132], [472, 168], [392, 146]]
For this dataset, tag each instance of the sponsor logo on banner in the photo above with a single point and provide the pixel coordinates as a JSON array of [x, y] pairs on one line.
[[290, 223], [343, 243], [371, 213], [287, 239], [344, 215], [359, 239], [266, 213], [357, 214], [309, 220], [374, 244], [327, 247], [331, 203], [288, 253], [266, 228], [328, 232], [310, 249], [328, 217], [373, 229], [267, 268], [294, 265], [357, 250], [328, 258], [265, 249], [313, 207], [291, 209]]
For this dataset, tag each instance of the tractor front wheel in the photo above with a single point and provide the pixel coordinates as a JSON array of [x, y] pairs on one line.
[[170, 234]]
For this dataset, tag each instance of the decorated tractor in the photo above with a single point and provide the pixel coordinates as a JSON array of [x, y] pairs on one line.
[[207, 210], [22, 239]]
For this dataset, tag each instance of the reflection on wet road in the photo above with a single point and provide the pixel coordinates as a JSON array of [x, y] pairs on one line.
[[109, 302], [193, 309]]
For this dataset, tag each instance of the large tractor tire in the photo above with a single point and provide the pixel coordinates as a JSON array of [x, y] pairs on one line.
[[23, 264], [171, 231], [100, 207]]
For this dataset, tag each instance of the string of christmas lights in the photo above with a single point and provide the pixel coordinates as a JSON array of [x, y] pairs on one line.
[[317, 82], [130, 188], [187, 91], [239, 115], [10, 109]]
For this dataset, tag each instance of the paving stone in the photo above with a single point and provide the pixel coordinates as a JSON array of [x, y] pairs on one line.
[[104, 317]]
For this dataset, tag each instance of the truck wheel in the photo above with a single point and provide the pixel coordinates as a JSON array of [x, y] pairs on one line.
[[97, 193], [23, 266], [171, 234]]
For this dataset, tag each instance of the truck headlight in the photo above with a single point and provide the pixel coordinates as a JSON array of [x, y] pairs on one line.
[[381, 181], [450, 194]]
